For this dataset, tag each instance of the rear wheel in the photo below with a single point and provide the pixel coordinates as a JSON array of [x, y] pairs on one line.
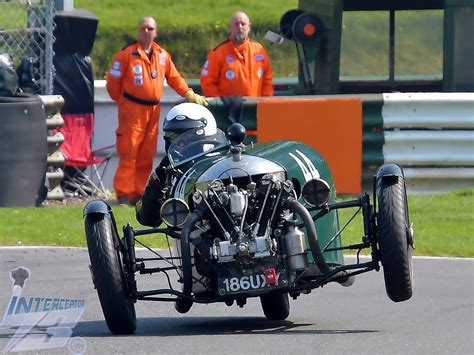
[[275, 305], [394, 236], [108, 274]]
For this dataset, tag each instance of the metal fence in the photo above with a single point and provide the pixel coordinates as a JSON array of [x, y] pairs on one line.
[[26, 32]]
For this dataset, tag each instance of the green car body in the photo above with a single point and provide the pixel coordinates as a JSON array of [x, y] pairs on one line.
[[298, 161]]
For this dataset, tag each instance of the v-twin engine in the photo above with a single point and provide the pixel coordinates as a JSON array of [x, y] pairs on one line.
[[250, 225]]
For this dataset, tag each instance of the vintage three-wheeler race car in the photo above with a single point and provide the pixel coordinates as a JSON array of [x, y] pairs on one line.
[[256, 220]]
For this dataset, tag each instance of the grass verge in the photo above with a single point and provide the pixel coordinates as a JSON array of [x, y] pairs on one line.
[[58, 226], [443, 225]]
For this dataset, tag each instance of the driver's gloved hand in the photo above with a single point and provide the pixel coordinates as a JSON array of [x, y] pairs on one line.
[[147, 209], [148, 206], [234, 105], [159, 174]]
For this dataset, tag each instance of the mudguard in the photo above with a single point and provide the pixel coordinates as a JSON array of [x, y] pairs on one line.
[[390, 171], [97, 206]]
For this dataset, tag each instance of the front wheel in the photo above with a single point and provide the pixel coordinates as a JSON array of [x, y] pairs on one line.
[[275, 305], [108, 274], [183, 305], [394, 236]]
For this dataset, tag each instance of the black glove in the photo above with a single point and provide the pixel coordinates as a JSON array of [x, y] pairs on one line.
[[147, 209], [160, 174], [234, 105]]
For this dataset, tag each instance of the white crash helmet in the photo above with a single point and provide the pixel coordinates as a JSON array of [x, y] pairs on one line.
[[188, 116]]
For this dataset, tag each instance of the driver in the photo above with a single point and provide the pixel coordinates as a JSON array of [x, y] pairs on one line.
[[179, 119]]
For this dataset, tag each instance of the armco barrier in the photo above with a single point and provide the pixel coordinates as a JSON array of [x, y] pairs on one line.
[[428, 110], [429, 148], [54, 174], [430, 134]]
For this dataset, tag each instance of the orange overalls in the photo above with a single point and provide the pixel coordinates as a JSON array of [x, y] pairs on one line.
[[243, 70], [135, 81]]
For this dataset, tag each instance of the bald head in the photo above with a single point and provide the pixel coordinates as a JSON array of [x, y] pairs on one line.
[[147, 20], [239, 27], [147, 31]]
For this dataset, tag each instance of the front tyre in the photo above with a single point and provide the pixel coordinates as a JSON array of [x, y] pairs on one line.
[[394, 236], [183, 305], [275, 305], [108, 274]]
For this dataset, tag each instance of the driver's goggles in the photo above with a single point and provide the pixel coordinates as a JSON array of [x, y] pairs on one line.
[[170, 136]]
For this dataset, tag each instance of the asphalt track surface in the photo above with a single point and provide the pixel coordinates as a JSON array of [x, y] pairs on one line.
[[439, 319]]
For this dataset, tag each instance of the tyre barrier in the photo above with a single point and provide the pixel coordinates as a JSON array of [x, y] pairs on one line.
[[23, 151], [54, 173]]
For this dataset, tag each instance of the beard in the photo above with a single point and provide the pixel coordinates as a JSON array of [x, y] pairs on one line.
[[239, 37]]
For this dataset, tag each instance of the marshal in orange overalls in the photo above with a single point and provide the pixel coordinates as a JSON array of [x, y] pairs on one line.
[[135, 80], [243, 70]]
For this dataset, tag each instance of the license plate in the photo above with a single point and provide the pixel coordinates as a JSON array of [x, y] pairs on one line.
[[245, 283]]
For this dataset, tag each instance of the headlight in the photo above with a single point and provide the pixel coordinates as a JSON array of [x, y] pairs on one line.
[[316, 192], [174, 212]]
